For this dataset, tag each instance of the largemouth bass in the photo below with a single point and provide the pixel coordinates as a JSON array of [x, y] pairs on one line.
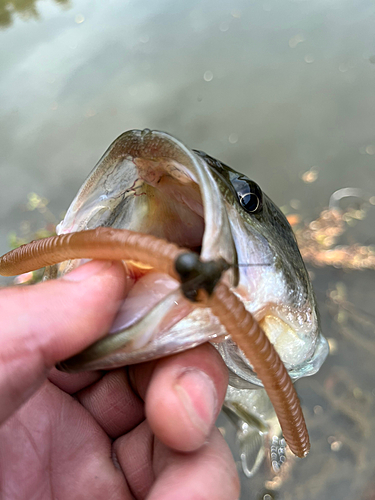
[[149, 182]]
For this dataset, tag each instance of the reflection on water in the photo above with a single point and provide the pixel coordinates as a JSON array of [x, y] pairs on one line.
[[282, 90], [321, 241], [25, 9]]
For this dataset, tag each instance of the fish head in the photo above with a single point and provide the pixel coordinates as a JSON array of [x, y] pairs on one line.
[[148, 181], [274, 284]]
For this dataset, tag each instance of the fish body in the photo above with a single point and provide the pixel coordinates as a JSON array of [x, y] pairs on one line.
[[148, 181]]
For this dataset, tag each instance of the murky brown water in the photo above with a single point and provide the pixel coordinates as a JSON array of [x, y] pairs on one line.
[[274, 88]]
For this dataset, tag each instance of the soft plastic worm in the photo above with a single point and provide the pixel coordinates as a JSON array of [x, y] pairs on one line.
[[102, 243], [249, 336], [120, 244]]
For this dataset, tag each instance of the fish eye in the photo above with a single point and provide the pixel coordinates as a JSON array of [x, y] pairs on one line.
[[248, 193], [249, 201]]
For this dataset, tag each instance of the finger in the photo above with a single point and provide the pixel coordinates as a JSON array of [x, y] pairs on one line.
[[207, 473], [115, 406], [134, 454], [156, 471], [183, 394], [73, 382], [51, 321], [113, 403]]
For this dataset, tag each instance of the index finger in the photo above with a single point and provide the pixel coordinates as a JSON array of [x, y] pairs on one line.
[[45, 323]]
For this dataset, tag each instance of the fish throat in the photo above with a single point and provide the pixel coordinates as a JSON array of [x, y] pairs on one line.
[[168, 203]]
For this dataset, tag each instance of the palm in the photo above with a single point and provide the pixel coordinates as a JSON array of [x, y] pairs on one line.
[[57, 446]]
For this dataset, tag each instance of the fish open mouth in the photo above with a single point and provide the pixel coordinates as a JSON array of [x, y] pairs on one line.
[[151, 183]]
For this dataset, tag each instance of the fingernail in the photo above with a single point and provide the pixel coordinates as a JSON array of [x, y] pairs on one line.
[[87, 270], [198, 395]]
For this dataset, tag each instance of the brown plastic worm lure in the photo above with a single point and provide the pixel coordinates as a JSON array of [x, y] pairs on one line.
[[200, 282]]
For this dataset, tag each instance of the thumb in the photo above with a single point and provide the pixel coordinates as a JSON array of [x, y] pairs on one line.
[[50, 321]]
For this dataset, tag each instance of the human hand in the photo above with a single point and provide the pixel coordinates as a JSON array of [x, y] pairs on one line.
[[146, 431]]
